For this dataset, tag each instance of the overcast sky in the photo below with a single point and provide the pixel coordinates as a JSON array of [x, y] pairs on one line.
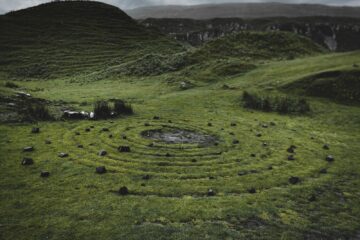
[[8, 5]]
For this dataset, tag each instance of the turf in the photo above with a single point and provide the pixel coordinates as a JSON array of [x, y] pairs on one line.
[[76, 203]]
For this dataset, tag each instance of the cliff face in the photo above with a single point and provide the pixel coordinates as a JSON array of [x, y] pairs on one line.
[[337, 34]]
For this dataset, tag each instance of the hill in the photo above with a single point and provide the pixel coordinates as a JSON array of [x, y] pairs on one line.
[[243, 10], [64, 38]]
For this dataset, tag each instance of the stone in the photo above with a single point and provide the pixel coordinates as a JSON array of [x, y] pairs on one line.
[[235, 142], [28, 149], [124, 149], [252, 190], [169, 121], [27, 161], [193, 160], [329, 158], [291, 158], [326, 147], [211, 193], [151, 144], [80, 146], [48, 142], [253, 155], [232, 134], [209, 124], [233, 124], [104, 129], [123, 137], [270, 167], [265, 144], [272, 124], [242, 173], [168, 155], [123, 191], [258, 134], [294, 180], [147, 124], [265, 126], [355, 65], [156, 118], [63, 155], [110, 136], [101, 170], [87, 129], [323, 171], [92, 126], [291, 149], [77, 133], [102, 153], [44, 174], [312, 198], [146, 177], [35, 130]]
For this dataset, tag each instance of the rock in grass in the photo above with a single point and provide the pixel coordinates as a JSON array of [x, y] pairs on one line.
[[291, 158], [235, 142], [265, 144], [312, 198], [123, 137], [102, 153], [77, 133], [323, 171], [156, 118], [252, 190], [329, 158], [294, 180], [209, 124], [147, 124], [27, 161], [253, 155], [35, 130], [233, 124], [110, 136], [101, 170], [44, 174], [146, 177], [264, 125], [272, 124], [242, 173], [124, 149], [167, 155], [211, 193], [123, 191], [28, 149], [291, 149], [258, 134], [104, 129], [80, 146], [87, 129], [63, 155], [48, 142], [326, 147]]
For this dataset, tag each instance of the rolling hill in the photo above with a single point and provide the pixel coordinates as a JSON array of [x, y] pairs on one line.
[[243, 10], [66, 38]]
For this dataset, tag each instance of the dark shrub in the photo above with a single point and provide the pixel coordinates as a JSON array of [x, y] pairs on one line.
[[37, 111], [120, 107], [280, 104], [102, 110]]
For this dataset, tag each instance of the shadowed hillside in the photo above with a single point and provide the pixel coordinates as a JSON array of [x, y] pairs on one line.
[[64, 38]]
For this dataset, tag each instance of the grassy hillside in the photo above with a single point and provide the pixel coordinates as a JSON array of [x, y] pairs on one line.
[[67, 38], [198, 164]]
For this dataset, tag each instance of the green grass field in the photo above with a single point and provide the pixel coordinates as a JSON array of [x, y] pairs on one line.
[[77, 203]]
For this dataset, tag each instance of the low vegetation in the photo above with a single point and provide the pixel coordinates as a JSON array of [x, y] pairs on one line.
[[280, 104], [103, 110]]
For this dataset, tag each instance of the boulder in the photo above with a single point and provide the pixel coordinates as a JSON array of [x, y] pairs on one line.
[[291, 149], [326, 147], [80, 146], [110, 136], [35, 130], [209, 124], [294, 180], [102, 153], [124, 149], [329, 158], [147, 124], [124, 137], [235, 142], [291, 158], [28, 149], [233, 124], [73, 115], [87, 129], [211, 193], [63, 155], [253, 155], [242, 173], [101, 170], [123, 191], [265, 144], [265, 126], [272, 124], [146, 177], [258, 134], [323, 171], [252, 190], [44, 174], [156, 118], [104, 129], [27, 161], [47, 142]]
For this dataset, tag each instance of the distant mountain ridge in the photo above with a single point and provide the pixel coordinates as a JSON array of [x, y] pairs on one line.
[[243, 10]]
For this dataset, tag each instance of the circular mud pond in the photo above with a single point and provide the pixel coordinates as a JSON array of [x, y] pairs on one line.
[[179, 136]]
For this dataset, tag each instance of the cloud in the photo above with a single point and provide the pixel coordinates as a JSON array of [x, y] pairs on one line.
[[8, 5]]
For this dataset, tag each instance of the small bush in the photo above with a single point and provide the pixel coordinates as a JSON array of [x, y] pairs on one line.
[[120, 107], [102, 110], [11, 85], [283, 105], [35, 112]]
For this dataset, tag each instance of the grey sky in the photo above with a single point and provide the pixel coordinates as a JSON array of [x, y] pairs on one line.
[[8, 5]]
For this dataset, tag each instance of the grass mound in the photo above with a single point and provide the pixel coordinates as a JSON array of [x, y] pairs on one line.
[[341, 86], [258, 46], [72, 37]]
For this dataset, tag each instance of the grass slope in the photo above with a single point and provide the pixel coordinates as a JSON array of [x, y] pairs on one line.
[[68, 38]]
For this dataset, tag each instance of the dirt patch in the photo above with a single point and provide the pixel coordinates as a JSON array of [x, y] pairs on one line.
[[179, 136]]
